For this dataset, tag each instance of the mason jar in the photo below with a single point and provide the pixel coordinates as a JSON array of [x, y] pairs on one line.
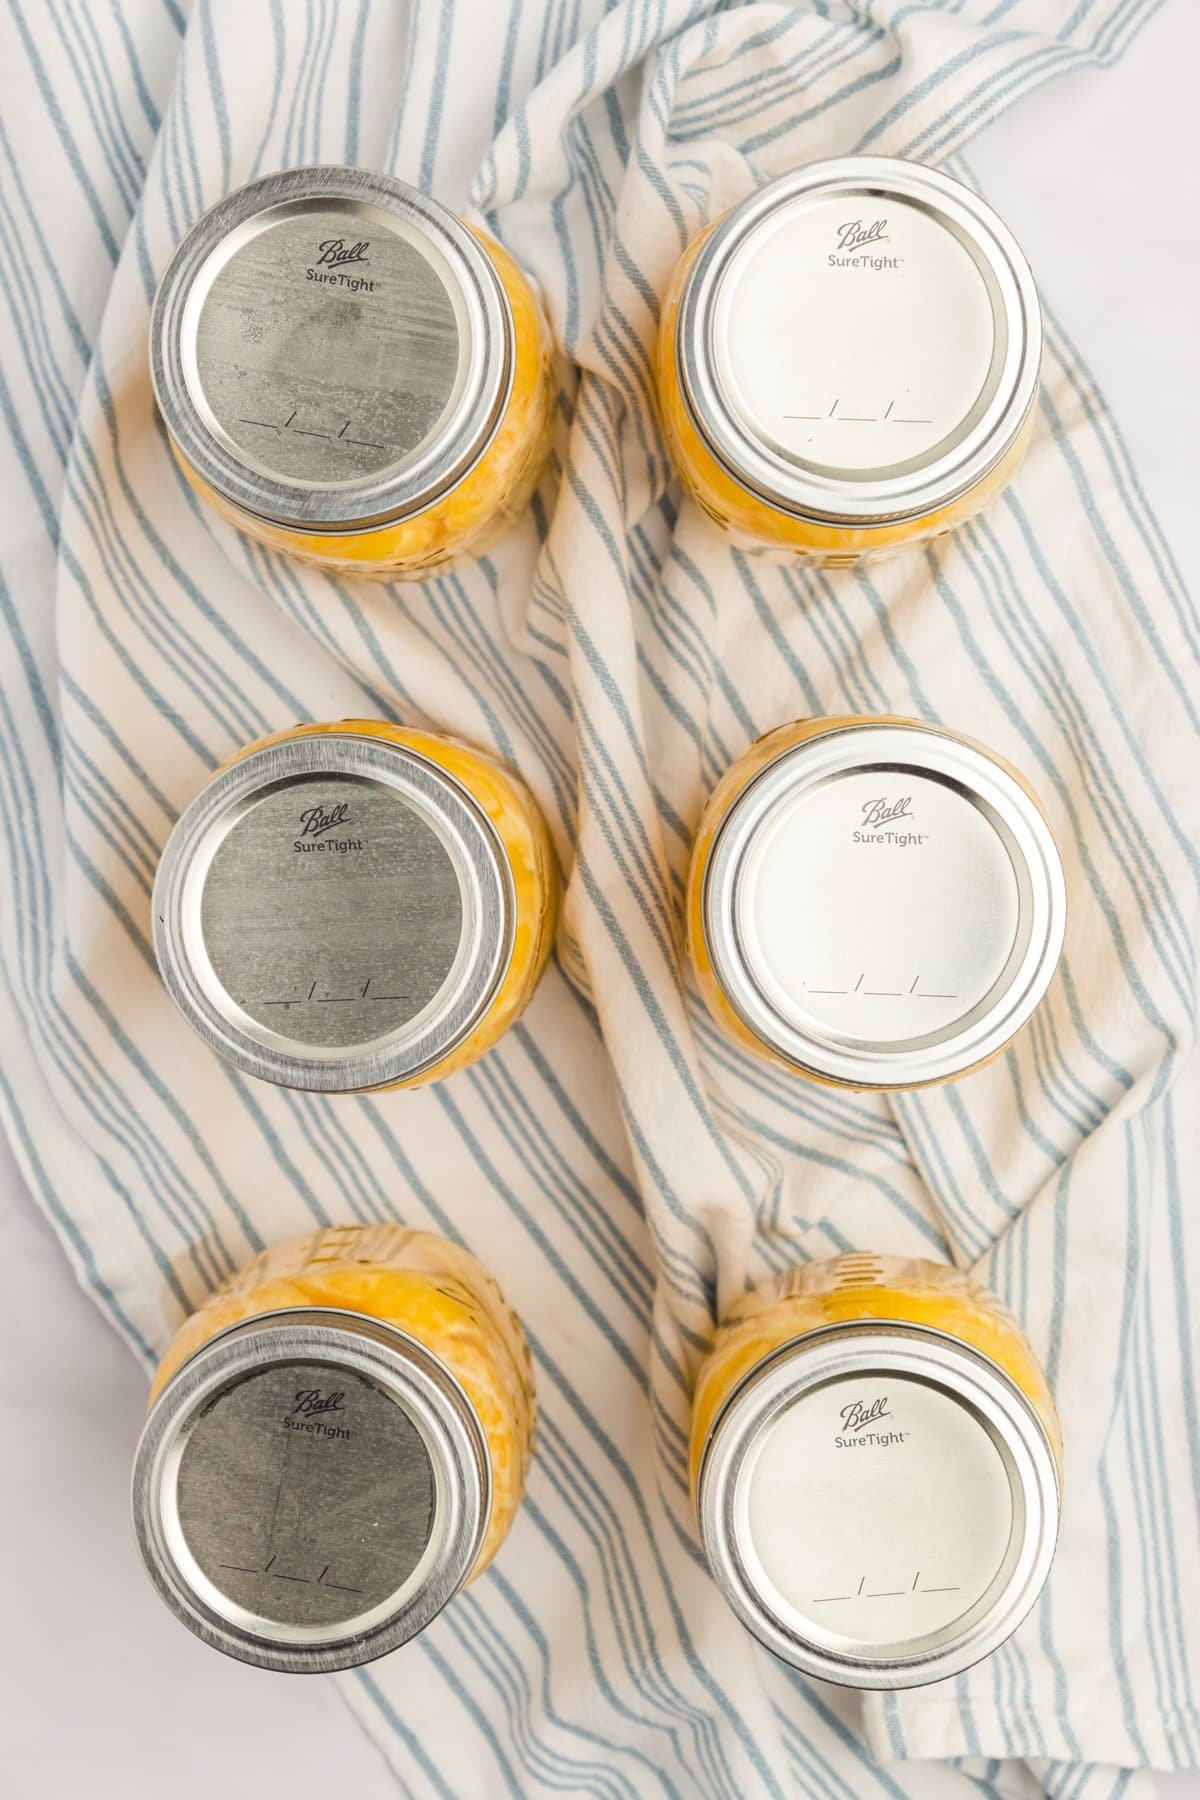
[[350, 374], [355, 906], [848, 361], [876, 1468], [874, 902], [337, 1444]]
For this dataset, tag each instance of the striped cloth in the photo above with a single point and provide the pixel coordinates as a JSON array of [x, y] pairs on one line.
[[621, 1167]]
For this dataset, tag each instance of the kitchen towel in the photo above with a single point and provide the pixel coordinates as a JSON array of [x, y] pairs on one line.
[[622, 1168]]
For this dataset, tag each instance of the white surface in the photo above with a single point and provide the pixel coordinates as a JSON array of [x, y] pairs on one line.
[[1096, 176], [104, 1694]]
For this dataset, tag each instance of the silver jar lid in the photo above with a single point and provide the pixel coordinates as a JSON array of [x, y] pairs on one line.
[[333, 912], [330, 349], [884, 905], [860, 341], [879, 1505], [310, 1489]]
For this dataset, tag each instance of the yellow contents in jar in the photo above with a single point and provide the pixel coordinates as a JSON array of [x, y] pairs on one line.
[[518, 823], [755, 521], [473, 513], [422, 1285], [864, 1288]]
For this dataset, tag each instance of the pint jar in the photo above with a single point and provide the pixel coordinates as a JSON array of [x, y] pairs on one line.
[[848, 361], [874, 902], [876, 1463], [355, 906], [349, 373], [337, 1444]]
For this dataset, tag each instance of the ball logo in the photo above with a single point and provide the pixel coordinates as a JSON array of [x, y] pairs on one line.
[[319, 819], [859, 1422], [312, 1400], [858, 248], [854, 235], [335, 251], [335, 265], [878, 819], [315, 821], [882, 812], [858, 1415], [310, 1414]]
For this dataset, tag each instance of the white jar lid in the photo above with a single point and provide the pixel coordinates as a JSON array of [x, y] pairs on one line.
[[879, 1504], [884, 905], [860, 341]]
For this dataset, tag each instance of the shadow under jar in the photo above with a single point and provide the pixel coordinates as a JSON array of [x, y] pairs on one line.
[[355, 906], [337, 1444], [876, 1468], [874, 902], [848, 361], [350, 374]]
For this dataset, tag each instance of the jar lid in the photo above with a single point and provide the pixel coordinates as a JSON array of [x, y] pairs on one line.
[[330, 349], [879, 1505], [310, 1489], [860, 341], [884, 905], [333, 912]]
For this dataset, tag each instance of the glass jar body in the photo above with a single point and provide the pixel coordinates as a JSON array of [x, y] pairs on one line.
[[533, 868], [421, 1284], [471, 515], [733, 785], [755, 522], [868, 1289]]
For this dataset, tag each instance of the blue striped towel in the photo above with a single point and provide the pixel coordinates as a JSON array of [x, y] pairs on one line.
[[621, 1167]]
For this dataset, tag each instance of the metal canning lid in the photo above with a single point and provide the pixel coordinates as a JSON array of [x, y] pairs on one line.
[[884, 905], [330, 349], [310, 1489], [333, 912], [860, 341], [879, 1505]]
